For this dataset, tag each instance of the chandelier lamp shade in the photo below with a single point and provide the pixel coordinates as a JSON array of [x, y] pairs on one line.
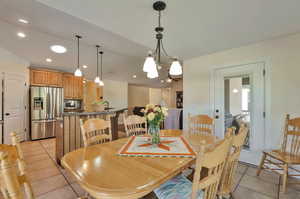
[[97, 78], [153, 60], [78, 72], [101, 83]]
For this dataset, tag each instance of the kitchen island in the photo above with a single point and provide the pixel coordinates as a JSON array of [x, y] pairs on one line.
[[68, 133]]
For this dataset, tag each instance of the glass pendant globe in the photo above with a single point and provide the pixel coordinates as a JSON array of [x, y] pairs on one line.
[[78, 73], [97, 80], [176, 68], [101, 83], [149, 64], [152, 74]]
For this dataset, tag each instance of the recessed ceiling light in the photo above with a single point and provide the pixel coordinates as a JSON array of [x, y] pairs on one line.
[[58, 49], [23, 21], [21, 34], [48, 60], [84, 66], [134, 76], [162, 81]]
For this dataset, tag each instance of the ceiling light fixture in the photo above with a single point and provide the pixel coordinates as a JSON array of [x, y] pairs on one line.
[[84, 66], [58, 49], [21, 34], [101, 83], [78, 72], [154, 60], [48, 60], [23, 21], [134, 76], [97, 78], [169, 80]]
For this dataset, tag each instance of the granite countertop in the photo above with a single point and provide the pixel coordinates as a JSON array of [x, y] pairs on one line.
[[108, 111]]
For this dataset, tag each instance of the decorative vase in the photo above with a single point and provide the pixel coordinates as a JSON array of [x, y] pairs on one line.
[[154, 131]]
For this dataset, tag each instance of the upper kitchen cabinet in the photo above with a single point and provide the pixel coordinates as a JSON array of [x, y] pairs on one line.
[[73, 86], [39, 77]]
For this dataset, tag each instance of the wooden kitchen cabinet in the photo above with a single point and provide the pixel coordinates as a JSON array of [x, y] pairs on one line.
[[73, 86], [40, 77]]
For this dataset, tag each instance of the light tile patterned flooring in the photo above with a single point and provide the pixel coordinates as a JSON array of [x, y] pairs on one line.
[[49, 181]]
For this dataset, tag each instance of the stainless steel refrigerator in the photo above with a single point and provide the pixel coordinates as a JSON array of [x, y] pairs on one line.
[[46, 106]]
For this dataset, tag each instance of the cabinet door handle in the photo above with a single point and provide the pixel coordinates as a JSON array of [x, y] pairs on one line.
[[7, 114]]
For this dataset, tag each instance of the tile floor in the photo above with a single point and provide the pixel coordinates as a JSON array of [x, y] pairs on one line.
[[49, 181]]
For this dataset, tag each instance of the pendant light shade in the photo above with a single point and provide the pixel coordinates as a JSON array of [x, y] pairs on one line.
[[97, 78], [149, 64], [152, 74], [101, 83], [78, 72], [176, 68]]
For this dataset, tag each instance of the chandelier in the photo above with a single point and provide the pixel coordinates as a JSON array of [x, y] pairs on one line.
[[153, 60]]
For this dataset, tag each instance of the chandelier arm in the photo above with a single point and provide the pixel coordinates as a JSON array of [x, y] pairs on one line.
[[101, 64], [163, 49]]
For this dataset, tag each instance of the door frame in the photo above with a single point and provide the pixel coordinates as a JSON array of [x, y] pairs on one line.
[[267, 90]]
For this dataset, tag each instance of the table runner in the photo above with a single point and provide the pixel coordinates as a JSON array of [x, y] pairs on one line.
[[169, 147]]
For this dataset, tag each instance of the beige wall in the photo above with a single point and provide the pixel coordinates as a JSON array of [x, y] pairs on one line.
[[155, 95], [116, 93], [138, 96], [10, 63], [282, 59]]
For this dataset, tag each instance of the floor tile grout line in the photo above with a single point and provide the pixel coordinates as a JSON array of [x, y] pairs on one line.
[[57, 166], [244, 173]]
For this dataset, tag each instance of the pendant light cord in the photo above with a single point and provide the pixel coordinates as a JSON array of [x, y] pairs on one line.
[[78, 37], [97, 61], [101, 53]]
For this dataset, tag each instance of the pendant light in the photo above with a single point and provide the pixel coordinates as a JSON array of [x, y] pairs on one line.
[[97, 79], [101, 83], [154, 60], [78, 72], [176, 68]]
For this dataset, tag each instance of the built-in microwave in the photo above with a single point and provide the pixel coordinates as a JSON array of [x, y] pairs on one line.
[[72, 104]]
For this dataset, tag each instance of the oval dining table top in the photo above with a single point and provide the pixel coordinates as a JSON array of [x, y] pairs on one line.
[[104, 174]]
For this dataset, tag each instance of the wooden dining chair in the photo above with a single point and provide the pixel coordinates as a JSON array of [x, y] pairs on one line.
[[282, 160], [226, 186], [200, 124], [12, 169], [95, 131], [206, 187], [135, 125]]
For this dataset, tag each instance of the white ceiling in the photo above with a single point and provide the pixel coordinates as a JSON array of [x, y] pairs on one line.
[[126, 30]]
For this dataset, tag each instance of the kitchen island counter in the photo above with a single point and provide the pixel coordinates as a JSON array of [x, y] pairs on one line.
[[68, 132]]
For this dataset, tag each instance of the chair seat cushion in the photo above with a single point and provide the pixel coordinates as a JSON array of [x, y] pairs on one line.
[[284, 157], [178, 187]]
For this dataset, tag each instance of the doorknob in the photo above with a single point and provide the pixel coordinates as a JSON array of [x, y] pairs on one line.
[[7, 114], [217, 117]]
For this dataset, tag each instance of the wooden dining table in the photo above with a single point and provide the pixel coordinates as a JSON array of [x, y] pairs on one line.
[[105, 175]]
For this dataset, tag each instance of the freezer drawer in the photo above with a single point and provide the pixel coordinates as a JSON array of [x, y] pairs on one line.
[[42, 129]]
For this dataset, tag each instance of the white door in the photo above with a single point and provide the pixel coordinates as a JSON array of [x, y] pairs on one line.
[[14, 106], [239, 94]]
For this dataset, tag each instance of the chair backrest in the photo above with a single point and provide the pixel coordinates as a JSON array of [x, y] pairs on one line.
[[214, 161], [95, 131], [227, 181], [200, 124], [12, 171], [291, 139], [135, 125]]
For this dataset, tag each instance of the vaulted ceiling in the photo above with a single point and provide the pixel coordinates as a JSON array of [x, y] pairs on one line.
[[125, 29]]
